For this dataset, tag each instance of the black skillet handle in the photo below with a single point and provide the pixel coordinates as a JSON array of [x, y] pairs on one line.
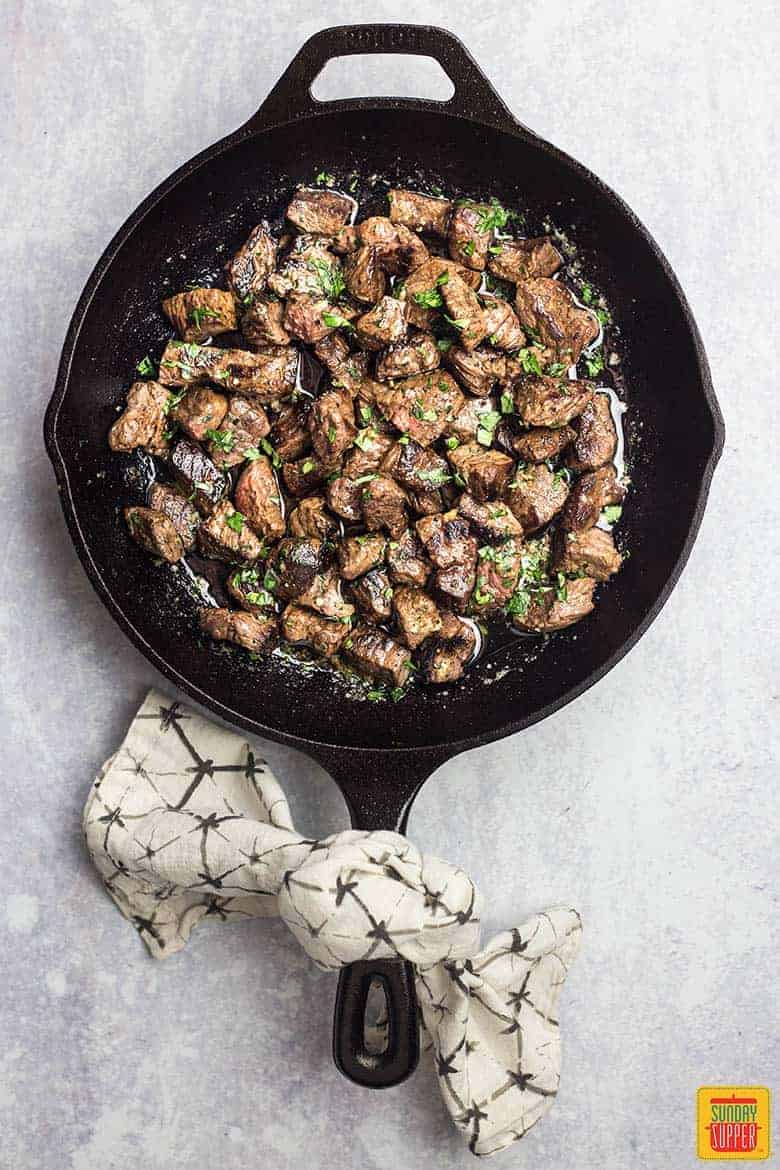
[[474, 96]]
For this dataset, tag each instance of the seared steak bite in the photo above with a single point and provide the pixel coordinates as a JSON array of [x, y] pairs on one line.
[[332, 350], [265, 376], [294, 563], [200, 410], [384, 506], [143, 422], [242, 429], [464, 311], [197, 475], [373, 596], [358, 554], [484, 471], [304, 475], [372, 653], [406, 561], [155, 533], [319, 212], [422, 289], [246, 585], [226, 535], [365, 279], [304, 627], [399, 250], [311, 518], [454, 586], [467, 238], [591, 493], [445, 656], [542, 443], [548, 612], [596, 440], [550, 401], [535, 495], [546, 307], [325, 596], [498, 570], [308, 266], [183, 515], [477, 371], [423, 405], [591, 553], [262, 323], [252, 264], [257, 497], [421, 213], [305, 317], [345, 498], [331, 425], [418, 355], [417, 615], [447, 539], [418, 468], [491, 522], [470, 419], [289, 435], [245, 629], [345, 240], [369, 449], [516, 260], [383, 325], [502, 325], [201, 313]]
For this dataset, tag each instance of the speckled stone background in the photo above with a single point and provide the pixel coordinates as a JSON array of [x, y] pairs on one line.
[[648, 803]]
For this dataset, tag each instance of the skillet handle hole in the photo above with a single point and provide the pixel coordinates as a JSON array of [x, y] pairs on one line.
[[382, 75]]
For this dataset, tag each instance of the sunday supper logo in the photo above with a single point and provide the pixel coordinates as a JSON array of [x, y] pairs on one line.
[[732, 1123]]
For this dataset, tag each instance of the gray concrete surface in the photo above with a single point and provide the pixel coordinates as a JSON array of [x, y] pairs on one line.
[[656, 815]]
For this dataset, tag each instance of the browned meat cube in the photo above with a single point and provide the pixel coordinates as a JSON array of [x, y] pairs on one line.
[[368, 452], [345, 498], [358, 554], [546, 307], [418, 468], [365, 279], [498, 571], [304, 627], [265, 376], [332, 350], [155, 533], [417, 615], [468, 238], [308, 266], [372, 653], [591, 553], [535, 495], [201, 313], [399, 250], [503, 327], [249, 269], [184, 363], [596, 440], [491, 522], [477, 372], [542, 443], [406, 561], [303, 476], [421, 213], [243, 428], [427, 502], [324, 595], [290, 436], [227, 536], [418, 355], [447, 540], [319, 212], [454, 586], [331, 424], [262, 323], [383, 325], [591, 493], [384, 505], [485, 472], [422, 406], [197, 475], [550, 402], [310, 518], [345, 240], [516, 260], [547, 611], [422, 289], [257, 497], [245, 629], [373, 595], [464, 311], [200, 411], [247, 586], [183, 515], [295, 563], [305, 317], [470, 419], [446, 656], [143, 422]]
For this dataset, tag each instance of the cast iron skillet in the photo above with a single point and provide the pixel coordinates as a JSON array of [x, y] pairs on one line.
[[380, 754]]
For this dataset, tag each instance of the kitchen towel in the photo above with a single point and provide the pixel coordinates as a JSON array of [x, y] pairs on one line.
[[185, 822]]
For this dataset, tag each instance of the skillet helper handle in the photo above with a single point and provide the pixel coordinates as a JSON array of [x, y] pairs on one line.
[[474, 96], [376, 1070]]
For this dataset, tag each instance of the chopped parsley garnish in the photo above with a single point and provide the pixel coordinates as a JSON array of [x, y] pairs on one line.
[[468, 248], [146, 367], [203, 313], [261, 598], [329, 278], [336, 321], [270, 580], [612, 513], [460, 323], [507, 402], [594, 364], [555, 368], [174, 398], [431, 298], [419, 412], [366, 413], [236, 521], [270, 452], [487, 427], [494, 218], [437, 476], [444, 343], [561, 591], [307, 466], [222, 440], [364, 438], [331, 434], [529, 360], [586, 294], [452, 443], [324, 179]]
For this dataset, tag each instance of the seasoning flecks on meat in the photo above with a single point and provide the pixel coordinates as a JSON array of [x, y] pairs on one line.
[[536, 494], [546, 307], [248, 271], [484, 471], [262, 323], [359, 554], [364, 277], [498, 571], [398, 249], [310, 517], [383, 325], [226, 535], [305, 627], [143, 422], [415, 467], [545, 401], [267, 376], [492, 522], [242, 430], [295, 563], [155, 533], [369, 449], [470, 419], [516, 260], [548, 612], [306, 317], [539, 444], [447, 539], [319, 212], [407, 563], [257, 498], [422, 289], [477, 371], [331, 425], [417, 615], [502, 325], [303, 476], [468, 237], [423, 405], [345, 498], [200, 313], [445, 657], [596, 440], [200, 410], [197, 474], [247, 586], [384, 505], [421, 213], [184, 516], [289, 433], [591, 553], [464, 311], [373, 596], [419, 355], [325, 596], [375, 654], [592, 492], [307, 266], [245, 629]]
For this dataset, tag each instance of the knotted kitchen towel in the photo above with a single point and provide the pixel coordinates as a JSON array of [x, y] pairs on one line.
[[185, 821]]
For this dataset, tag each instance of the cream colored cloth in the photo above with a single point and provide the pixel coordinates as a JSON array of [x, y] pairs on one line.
[[186, 822]]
